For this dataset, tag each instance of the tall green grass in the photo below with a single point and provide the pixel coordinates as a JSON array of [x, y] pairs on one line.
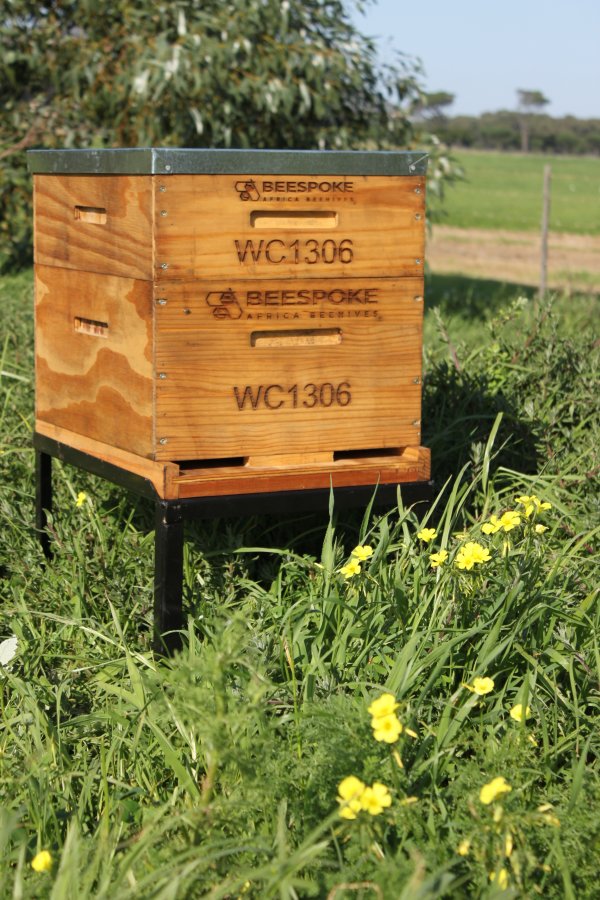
[[216, 774], [504, 191]]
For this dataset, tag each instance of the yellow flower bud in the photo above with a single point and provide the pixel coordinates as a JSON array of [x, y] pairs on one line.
[[42, 861]]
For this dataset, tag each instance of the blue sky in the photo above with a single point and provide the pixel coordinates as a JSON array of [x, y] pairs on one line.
[[484, 50]]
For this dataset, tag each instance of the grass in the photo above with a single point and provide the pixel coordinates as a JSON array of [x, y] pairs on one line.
[[504, 191], [215, 774], [470, 310]]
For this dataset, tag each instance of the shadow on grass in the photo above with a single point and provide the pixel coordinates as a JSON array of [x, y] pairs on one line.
[[459, 410], [471, 297], [462, 395]]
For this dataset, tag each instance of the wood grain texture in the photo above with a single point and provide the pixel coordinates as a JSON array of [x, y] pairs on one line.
[[95, 223], [267, 329], [414, 464], [97, 385], [161, 475], [217, 395], [173, 483], [379, 227]]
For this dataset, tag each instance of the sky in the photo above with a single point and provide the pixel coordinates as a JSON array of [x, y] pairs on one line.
[[483, 51]]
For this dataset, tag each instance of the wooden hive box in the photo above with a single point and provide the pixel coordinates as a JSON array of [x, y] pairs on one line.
[[226, 322]]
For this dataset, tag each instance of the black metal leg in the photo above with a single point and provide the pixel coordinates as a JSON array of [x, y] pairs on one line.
[[168, 576], [43, 498]]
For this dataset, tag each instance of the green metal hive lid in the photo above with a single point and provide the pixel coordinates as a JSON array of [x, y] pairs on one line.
[[166, 161]]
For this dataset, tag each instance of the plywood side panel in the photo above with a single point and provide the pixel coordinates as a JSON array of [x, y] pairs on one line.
[[94, 356], [98, 223], [313, 368], [240, 227]]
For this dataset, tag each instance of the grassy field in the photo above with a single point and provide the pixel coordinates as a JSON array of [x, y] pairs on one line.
[[363, 708], [504, 191]]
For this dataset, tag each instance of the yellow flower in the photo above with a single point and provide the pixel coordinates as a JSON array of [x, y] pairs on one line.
[[375, 799], [506, 522], [494, 789], [509, 520], [518, 714], [479, 553], [533, 504], [540, 529], [362, 552], [471, 554], [426, 534], [492, 526], [350, 791], [548, 817], [350, 569], [464, 847], [81, 498], [438, 559], [508, 844], [386, 728], [500, 878], [527, 502], [385, 705], [42, 861], [481, 686]]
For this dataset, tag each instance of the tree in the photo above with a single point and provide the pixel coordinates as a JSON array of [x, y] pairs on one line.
[[218, 73], [435, 103], [529, 102]]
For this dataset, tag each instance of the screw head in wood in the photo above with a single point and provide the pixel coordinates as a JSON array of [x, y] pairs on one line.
[[163, 441], [162, 375], [164, 265], [162, 301]]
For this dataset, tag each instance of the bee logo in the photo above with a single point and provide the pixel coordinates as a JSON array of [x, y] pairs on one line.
[[247, 190], [224, 304]]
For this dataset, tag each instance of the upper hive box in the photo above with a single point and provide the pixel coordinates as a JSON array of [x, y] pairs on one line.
[[232, 321]]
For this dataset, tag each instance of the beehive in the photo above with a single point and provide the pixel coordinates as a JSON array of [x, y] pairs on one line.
[[229, 322]]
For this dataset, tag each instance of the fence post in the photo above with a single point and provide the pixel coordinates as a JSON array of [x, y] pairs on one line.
[[545, 225]]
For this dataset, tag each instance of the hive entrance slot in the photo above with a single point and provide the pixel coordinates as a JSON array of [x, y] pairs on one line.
[[217, 462], [91, 326], [367, 453], [94, 215]]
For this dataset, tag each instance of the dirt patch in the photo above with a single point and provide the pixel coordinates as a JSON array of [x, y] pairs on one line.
[[514, 256]]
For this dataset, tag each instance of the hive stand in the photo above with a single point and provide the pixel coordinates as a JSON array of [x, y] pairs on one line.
[[171, 515]]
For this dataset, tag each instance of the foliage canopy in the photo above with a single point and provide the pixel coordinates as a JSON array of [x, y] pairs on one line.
[[240, 73]]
